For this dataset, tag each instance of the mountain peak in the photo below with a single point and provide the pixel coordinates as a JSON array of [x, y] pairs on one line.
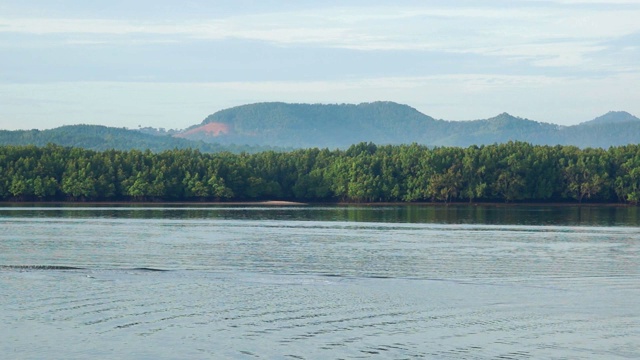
[[302, 125], [503, 117], [613, 117]]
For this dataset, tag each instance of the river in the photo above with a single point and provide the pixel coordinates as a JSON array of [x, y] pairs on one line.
[[319, 282]]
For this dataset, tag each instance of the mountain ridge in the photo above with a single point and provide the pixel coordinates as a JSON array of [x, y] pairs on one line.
[[385, 122], [101, 138], [284, 126], [613, 117]]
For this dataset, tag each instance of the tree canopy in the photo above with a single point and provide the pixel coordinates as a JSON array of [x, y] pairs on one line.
[[365, 172]]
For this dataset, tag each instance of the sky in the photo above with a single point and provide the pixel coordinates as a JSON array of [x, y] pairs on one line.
[[169, 64]]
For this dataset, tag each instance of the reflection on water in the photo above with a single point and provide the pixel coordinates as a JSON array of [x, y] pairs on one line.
[[443, 282], [440, 214]]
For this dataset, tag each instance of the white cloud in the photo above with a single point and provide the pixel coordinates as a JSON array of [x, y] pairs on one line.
[[566, 36], [549, 54], [543, 35]]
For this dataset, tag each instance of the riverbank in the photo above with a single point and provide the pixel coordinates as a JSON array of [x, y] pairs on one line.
[[296, 203]]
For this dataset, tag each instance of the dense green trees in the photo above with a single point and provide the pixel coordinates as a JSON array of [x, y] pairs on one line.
[[511, 172]]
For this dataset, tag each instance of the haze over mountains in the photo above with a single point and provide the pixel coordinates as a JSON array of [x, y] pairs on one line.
[[101, 138], [281, 125], [314, 125]]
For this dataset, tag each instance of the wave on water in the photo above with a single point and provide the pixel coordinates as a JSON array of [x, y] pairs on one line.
[[40, 267], [69, 268], [147, 269]]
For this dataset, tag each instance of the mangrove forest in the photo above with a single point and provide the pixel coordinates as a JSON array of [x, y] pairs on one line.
[[365, 172]]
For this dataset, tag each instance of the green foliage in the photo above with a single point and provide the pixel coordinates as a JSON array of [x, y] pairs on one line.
[[365, 172]]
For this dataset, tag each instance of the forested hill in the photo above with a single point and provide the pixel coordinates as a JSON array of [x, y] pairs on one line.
[[96, 137], [341, 125], [613, 117], [315, 125], [281, 126]]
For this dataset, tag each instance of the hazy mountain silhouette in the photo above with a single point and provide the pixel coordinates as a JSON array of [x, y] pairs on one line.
[[100, 138], [278, 125], [341, 125]]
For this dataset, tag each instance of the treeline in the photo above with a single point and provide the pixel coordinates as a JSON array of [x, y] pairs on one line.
[[511, 172]]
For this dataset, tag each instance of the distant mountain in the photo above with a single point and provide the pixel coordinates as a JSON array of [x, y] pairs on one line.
[[282, 126], [341, 125], [498, 129], [307, 125], [97, 137], [613, 117]]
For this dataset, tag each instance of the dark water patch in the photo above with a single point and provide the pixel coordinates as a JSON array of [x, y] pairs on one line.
[[76, 268], [149, 269], [377, 277], [127, 325], [332, 275], [40, 267]]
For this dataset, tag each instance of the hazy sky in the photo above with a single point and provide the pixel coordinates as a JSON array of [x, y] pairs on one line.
[[170, 64]]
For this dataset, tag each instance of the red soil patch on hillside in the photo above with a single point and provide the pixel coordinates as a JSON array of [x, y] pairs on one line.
[[210, 129]]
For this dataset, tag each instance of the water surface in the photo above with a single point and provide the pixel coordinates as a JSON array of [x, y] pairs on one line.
[[320, 282]]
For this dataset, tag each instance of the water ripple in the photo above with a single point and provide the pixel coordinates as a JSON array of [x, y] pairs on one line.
[[230, 288]]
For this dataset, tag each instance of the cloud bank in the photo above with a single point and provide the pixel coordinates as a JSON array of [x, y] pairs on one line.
[[559, 61]]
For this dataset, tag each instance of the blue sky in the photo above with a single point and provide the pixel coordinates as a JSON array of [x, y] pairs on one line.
[[171, 63]]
